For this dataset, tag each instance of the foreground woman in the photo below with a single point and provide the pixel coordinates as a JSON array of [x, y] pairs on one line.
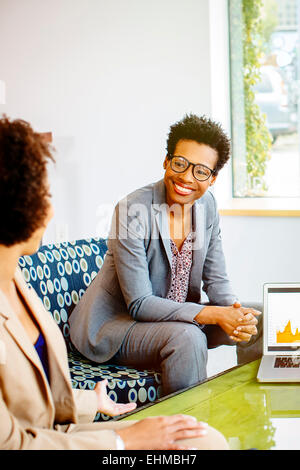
[[38, 407]]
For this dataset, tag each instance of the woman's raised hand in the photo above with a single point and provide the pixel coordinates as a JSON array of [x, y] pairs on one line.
[[106, 405]]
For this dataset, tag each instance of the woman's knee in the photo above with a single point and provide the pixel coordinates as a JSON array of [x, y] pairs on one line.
[[195, 339], [213, 440], [189, 339]]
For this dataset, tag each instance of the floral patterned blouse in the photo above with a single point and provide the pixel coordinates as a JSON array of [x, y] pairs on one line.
[[181, 267]]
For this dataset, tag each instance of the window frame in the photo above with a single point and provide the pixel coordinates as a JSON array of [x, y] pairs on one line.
[[221, 102]]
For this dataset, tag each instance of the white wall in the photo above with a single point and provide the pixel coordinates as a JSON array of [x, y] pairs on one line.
[[107, 78], [260, 250]]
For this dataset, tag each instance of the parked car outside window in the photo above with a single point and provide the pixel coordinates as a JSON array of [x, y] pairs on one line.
[[272, 96]]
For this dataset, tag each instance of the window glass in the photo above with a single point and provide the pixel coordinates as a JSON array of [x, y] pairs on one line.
[[265, 93]]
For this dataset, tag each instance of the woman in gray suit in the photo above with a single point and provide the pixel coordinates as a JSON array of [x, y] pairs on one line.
[[144, 307]]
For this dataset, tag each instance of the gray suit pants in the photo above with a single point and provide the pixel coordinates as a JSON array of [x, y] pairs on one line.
[[179, 350]]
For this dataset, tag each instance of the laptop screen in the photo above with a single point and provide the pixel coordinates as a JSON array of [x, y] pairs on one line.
[[282, 311]]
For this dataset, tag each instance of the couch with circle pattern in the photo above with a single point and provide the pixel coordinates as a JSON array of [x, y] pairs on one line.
[[60, 273]]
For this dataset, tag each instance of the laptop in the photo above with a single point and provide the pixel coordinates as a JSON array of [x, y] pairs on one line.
[[281, 334]]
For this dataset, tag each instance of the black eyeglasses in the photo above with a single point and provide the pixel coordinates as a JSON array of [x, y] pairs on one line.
[[181, 164]]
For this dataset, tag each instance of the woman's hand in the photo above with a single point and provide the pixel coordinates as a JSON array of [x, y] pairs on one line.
[[161, 433], [243, 333], [237, 321], [106, 405], [245, 327]]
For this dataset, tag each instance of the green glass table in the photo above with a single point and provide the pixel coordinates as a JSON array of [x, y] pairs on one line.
[[249, 414]]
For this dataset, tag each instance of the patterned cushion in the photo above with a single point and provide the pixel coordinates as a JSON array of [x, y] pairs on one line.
[[60, 274], [124, 384]]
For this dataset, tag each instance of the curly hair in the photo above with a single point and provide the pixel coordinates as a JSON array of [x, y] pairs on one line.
[[23, 180], [204, 131]]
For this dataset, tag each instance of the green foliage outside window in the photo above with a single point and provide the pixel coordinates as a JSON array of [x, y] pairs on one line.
[[251, 26], [258, 137]]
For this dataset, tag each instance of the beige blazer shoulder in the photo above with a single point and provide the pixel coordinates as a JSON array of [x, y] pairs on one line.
[[33, 413]]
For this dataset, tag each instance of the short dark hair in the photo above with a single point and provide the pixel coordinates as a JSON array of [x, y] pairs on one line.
[[23, 184], [204, 131]]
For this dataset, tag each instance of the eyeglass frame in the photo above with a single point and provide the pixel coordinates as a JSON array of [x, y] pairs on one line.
[[170, 158]]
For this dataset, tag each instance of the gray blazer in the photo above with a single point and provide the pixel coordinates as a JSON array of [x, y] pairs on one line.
[[134, 280]]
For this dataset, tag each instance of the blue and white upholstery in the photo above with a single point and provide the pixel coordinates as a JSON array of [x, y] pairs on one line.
[[60, 274]]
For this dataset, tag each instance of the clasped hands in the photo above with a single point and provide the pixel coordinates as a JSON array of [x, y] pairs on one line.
[[240, 322], [237, 321]]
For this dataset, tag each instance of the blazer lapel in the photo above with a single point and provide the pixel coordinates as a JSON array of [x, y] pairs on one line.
[[160, 209], [61, 391], [199, 234], [46, 324], [16, 330], [59, 396]]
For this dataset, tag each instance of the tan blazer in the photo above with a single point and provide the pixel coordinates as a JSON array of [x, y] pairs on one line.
[[34, 414]]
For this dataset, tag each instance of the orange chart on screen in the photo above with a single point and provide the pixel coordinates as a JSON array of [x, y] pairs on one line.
[[287, 335]]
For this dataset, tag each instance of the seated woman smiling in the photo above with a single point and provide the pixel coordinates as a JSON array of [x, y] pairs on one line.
[[144, 308], [38, 407]]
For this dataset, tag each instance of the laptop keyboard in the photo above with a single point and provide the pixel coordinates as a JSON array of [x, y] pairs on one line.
[[287, 362]]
